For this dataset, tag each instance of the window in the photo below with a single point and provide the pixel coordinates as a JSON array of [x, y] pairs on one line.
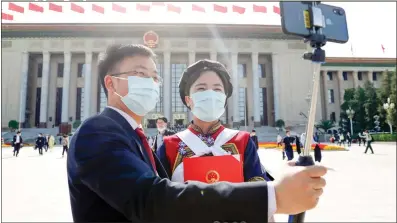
[[374, 76], [58, 107], [242, 71], [329, 74], [262, 70], [60, 70], [332, 117], [78, 103], [331, 98], [176, 73], [242, 106], [159, 105], [80, 71], [37, 112], [263, 106], [40, 70], [360, 76], [344, 73]]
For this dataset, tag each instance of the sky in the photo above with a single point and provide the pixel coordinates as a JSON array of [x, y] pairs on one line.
[[370, 24]]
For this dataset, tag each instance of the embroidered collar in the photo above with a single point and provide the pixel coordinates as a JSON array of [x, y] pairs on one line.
[[212, 130]]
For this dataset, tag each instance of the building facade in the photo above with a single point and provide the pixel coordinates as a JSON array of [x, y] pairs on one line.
[[49, 77]]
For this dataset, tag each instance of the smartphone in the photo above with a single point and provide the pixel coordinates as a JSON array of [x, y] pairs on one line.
[[295, 21]]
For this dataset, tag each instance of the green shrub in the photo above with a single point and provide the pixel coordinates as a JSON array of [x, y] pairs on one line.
[[384, 137], [76, 124], [13, 124]]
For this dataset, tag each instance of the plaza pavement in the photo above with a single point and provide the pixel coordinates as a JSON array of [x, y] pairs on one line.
[[361, 189]]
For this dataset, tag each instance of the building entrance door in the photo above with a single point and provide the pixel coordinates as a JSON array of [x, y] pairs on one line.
[[151, 123], [179, 122]]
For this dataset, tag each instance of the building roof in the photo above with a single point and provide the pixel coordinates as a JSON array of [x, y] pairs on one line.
[[360, 62], [137, 30]]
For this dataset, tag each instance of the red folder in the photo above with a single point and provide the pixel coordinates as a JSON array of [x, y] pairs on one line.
[[212, 169]]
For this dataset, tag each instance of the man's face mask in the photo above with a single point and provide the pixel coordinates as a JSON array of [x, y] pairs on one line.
[[142, 96], [208, 105]]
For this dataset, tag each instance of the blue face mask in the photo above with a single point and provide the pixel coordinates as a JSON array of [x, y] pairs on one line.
[[208, 105], [143, 94]]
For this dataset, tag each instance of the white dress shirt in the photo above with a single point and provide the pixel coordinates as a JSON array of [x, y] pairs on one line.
[[271, 193], [18, 139]]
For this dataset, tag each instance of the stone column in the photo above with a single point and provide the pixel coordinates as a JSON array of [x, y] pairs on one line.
[[369, 73], [192, 59], [339, 75], [276, 85], [67, 58], [355, 79], [167, 86], [255, 89], [235, 95], [24, 88], [213, 55], [87, 85], [44, 89]]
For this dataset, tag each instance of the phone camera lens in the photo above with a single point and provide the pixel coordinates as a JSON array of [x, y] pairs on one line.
[[341, 12]]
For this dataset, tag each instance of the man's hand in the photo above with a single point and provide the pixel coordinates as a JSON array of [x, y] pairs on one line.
[[299, 189]]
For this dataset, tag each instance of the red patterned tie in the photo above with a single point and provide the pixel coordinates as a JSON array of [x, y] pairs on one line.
[[149, 151]]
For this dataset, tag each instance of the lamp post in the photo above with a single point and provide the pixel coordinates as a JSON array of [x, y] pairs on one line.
[[350, 114], [389, 106]]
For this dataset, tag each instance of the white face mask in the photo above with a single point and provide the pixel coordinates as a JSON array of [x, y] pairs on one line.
[[208, 105], [161, 129], [143, 94]]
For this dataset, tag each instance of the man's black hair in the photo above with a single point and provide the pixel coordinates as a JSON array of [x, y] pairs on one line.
[[162, 118], [18, 132], [115, 53], [253, 130]]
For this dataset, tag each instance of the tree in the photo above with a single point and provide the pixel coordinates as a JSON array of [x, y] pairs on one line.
[[280, 124], [325, 125], [393, 94], [360, 115], [371, 104], [384, 92], [349, 101], [13, 124]]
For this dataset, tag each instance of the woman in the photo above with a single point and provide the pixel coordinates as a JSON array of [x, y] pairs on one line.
[[204, 88], [51, 142]]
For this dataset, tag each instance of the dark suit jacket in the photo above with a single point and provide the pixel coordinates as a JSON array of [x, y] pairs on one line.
[[111, 180], [167, 132], [14, 139], [40, 141]]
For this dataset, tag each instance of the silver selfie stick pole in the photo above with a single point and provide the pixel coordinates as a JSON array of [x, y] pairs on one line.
[[317, 40]]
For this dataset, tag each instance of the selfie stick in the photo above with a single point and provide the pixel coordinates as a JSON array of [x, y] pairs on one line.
[[317, 40]]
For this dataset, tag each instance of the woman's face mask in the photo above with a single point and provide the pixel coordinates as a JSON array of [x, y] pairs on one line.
[[208, 105], [142, 96]]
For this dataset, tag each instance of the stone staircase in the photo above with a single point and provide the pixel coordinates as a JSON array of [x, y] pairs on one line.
[[264, 133]]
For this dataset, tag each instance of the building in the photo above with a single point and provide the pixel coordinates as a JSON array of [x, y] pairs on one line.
[[44, 83]]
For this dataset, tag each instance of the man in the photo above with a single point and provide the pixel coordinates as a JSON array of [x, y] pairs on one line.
[[46, 139], [368, 139], [361, 138], [114, 176], [40, 141], [17, 143], [287, 146], [161, 123], [255, 139]]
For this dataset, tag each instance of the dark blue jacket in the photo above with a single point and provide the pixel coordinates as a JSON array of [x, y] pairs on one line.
[[111, 180]]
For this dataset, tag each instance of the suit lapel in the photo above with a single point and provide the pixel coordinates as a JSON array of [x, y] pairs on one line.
[[130, 132]]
